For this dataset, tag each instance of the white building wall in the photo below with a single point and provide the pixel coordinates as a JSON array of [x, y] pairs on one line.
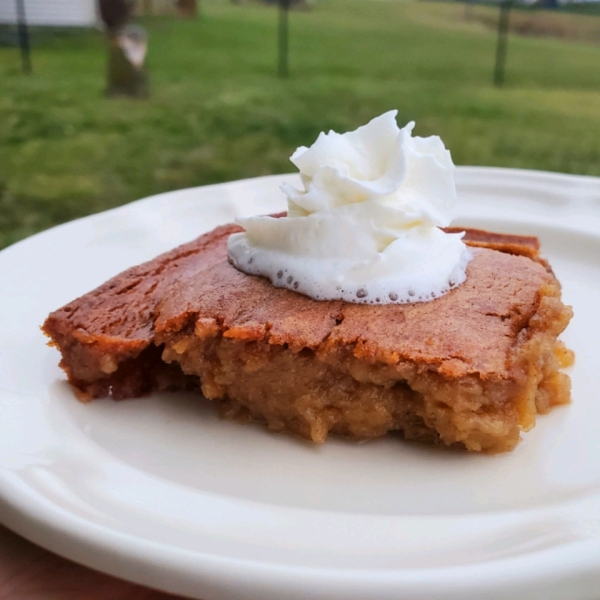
[[52, 12]]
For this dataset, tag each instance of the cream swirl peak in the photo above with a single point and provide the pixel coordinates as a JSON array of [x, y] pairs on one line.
[[365, 228]]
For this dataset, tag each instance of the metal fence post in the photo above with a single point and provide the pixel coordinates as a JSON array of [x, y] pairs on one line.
[[23, 33], [503, 25]]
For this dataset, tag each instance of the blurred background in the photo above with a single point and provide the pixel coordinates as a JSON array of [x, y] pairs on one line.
[[209, 98]]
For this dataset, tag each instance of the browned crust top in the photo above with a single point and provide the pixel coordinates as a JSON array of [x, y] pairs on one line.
[[472, 329]]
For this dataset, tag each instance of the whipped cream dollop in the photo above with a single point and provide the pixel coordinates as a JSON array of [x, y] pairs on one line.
[[365, 228]]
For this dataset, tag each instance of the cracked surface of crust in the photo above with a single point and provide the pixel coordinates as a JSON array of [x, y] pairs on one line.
[[469, 330]]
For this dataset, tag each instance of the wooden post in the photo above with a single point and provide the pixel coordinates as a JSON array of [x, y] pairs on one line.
[[503, 25], [187, 8], [23, 33], [127, 45], [126, 54], [284, 10]]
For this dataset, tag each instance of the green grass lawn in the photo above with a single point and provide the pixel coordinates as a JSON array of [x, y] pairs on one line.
[[217, 111]]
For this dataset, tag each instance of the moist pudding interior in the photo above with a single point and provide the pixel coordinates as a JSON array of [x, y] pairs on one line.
[[330, 391]]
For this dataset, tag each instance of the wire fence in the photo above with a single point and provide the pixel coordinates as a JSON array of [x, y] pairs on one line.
[[573, 20]]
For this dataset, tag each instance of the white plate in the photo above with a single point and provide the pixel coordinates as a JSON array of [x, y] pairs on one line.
[[161, 492]]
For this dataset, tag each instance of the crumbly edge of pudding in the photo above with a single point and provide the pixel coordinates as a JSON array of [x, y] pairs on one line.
[[335, 389]]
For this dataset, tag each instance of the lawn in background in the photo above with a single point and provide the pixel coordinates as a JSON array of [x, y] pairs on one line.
[[217, 112]]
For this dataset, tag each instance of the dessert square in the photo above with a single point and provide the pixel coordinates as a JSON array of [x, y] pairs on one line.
[[471, 368]]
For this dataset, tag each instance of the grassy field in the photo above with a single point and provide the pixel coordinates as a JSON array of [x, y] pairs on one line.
[[217, 111]]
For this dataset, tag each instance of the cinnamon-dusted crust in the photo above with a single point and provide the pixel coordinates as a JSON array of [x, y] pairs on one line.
[[466, 368]]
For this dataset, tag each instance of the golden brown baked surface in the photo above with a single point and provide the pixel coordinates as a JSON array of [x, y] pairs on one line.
[[472, 367]]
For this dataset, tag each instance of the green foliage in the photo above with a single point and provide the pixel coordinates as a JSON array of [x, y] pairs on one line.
[[218, 112]]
